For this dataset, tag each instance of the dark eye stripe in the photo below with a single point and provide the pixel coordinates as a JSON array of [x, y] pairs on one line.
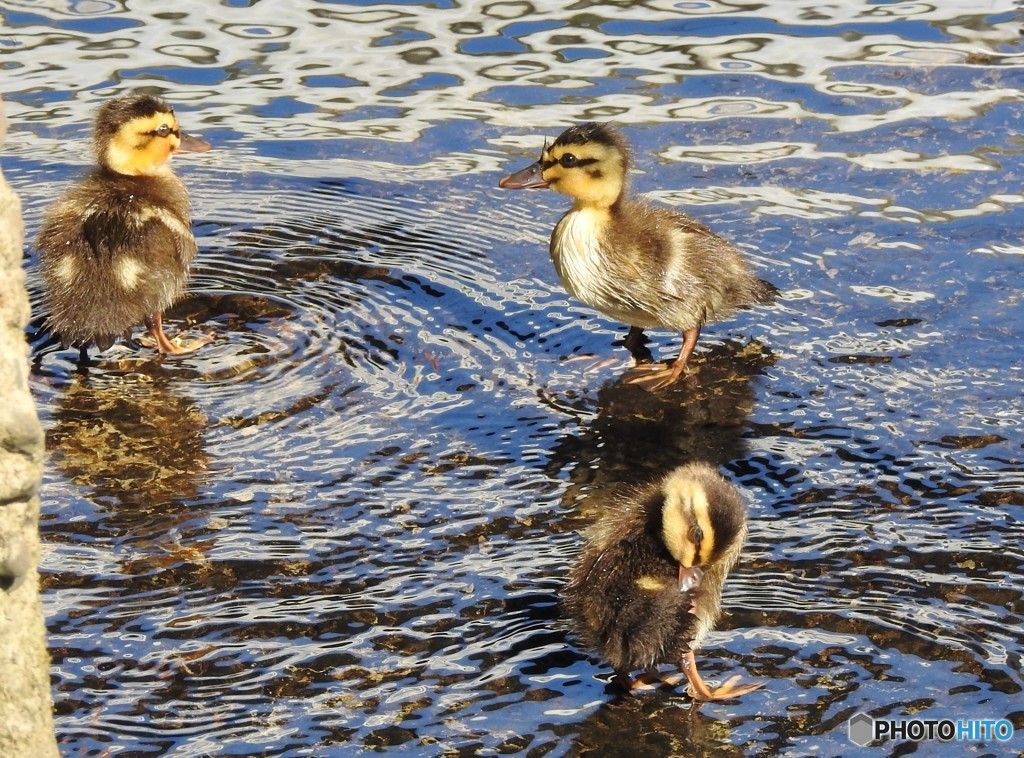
[[579, 163]]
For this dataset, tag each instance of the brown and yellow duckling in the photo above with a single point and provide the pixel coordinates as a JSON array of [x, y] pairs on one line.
[[116, 248], [647, 587], [640, 264]]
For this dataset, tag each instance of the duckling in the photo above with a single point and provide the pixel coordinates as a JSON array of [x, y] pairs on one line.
[[647, 587], [640, 264], [115, 249]]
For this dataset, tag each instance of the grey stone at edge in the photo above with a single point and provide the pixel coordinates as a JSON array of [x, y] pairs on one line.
[[26, 706]]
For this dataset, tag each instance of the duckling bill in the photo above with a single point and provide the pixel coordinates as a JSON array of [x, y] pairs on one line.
[[115, 250], [647, 586], [640, 264]]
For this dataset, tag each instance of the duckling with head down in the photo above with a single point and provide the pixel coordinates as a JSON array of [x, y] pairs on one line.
[[115, 249], [640, 264], [647, 587]]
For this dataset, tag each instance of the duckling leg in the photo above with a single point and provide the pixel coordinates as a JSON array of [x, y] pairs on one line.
[[660, 376], [155, 325], [689, 343], [699, 690], [634, 343], [624, 680]]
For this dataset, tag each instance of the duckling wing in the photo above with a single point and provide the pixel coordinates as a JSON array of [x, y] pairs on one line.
[[690, 225], [109, 231], [626, 605], [695, 276], [623, 593], [155, 234], [641, 269]]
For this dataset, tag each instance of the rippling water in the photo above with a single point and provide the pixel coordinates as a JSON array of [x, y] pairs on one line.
[[344, 524]]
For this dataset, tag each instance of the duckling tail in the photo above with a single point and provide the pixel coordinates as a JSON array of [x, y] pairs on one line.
[[764, 293]]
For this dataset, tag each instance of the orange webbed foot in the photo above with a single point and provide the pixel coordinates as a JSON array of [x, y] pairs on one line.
[[180, 345], [699, 690], [593, 362], [729, 690], [654, 376], [177, 345]]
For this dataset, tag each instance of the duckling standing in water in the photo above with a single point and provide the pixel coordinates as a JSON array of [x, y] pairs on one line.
[[647, 587], [646, 266], [116, 248]]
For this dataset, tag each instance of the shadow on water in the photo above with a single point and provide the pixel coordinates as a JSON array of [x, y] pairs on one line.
[[669, 727], [636, 436]]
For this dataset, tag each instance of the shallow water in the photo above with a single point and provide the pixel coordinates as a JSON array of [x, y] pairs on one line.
[[344, 525]]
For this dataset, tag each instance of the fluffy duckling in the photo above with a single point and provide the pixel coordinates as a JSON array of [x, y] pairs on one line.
[[116, 248], [647, 587], [640, 264]]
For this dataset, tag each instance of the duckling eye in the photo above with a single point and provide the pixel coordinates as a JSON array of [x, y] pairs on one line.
[[696, 535], [163, 130], [568, 160]]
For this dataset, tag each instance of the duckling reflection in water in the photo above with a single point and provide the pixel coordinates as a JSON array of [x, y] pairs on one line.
[[647, 587], [643, 265], [131, 438], [115, 249]]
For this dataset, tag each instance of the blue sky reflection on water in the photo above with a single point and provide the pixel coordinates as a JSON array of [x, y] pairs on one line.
[[344, 525]]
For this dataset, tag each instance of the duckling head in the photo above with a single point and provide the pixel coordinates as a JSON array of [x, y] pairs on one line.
[[703, 521], [589, 162], [137, 134]]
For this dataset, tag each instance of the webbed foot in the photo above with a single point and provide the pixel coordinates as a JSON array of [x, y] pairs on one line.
[[179, 345], [699, 690], [654, 376]]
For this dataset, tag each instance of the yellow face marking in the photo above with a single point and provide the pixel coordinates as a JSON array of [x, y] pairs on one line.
[[141, 146], [686, 510], [66, 268], [650, 583], [595, 179], [128, 271], [676, 520], [703, 516]]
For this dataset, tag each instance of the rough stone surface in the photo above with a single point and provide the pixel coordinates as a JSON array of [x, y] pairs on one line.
[[26, 707]]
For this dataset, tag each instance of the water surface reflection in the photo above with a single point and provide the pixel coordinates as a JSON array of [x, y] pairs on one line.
[[344, 525]]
